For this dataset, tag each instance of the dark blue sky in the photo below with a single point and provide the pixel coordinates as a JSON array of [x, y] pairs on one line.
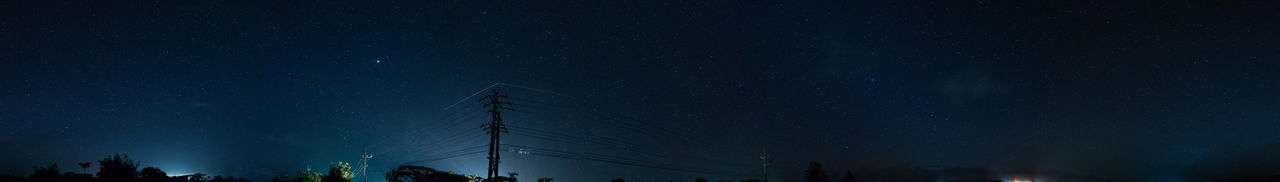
[[1169, 91]]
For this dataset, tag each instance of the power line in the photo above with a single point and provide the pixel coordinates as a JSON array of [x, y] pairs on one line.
[[445, 157], [584, 140], [472, 95], [449, 154], [443, 123], [639, 150], [615, 160], [623, 124]]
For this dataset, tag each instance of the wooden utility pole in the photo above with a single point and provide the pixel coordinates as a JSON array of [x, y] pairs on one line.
[[364, 165], [495, 127]]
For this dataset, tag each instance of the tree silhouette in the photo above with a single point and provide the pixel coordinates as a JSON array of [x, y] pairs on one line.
[[544, 179], [617, 180], [84, 167], [419, 173], [152, 174], [117, 168], [814, 173], [200, 177], [340, 172], [45, 173], [848, 177], [310, 176], [284, 178], [699, 180], [70, 176]]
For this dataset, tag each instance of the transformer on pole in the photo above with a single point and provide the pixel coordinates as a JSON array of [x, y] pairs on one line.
[[495, 127]]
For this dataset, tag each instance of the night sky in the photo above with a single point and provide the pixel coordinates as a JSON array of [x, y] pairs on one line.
[[1156, 91]]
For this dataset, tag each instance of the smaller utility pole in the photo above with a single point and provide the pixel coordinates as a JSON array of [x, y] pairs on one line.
[[764, 164], [364, 165]]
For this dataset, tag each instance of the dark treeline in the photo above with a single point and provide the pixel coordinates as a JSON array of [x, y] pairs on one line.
[[113, 168], [119, 168]]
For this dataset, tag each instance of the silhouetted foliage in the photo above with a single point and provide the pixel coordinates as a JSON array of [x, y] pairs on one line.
[[848, 177], [227, 179], [152, 174], [310, 176], [69, 176], [42, 174], [195, 177], [419, 173], [12, 178], [617, 180], [501, 179], [814, 173], [544, 179], [284, 178], [117, 168], [340, 172], [699, 180], [1275, 178]]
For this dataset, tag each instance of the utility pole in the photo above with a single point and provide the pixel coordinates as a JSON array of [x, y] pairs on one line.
[[495, 127], [364, 165], [764, 164]]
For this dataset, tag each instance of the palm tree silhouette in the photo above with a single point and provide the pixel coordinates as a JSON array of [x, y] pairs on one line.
[[84, 167]]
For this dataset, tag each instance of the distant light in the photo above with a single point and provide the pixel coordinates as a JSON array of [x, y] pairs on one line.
[[377, 61]]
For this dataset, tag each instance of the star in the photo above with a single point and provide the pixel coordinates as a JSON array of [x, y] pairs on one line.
[[379, 61]]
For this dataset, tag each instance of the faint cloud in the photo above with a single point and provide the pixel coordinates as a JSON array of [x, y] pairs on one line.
[[288, 139], [197, 104], [970, 84]]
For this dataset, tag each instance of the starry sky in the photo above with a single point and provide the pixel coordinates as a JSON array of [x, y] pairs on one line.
[[648, 90]]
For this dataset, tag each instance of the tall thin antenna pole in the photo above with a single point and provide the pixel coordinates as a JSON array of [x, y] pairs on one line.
[[764, 164], [495, 127]]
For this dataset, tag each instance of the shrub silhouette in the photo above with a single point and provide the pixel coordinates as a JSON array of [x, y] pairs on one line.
[[340, 172], [310, 176], [152, 174], [45, 173], [419, 173], [848, 177], [814, 173], [117, 168], [284, 178]]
